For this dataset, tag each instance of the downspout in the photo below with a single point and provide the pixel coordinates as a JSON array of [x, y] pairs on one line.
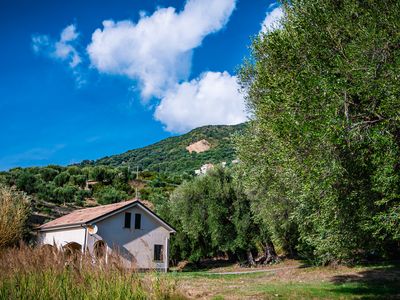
[[86, 238], [166, 259]]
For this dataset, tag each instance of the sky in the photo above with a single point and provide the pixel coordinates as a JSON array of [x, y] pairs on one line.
[[87, 79]]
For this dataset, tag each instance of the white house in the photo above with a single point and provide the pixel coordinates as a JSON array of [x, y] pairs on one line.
[[136, 233], [204, 169]]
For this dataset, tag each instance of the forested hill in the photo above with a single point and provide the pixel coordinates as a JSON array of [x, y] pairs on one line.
[[170, 155]]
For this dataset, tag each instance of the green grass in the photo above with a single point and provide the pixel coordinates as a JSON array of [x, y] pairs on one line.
[[208, 275], [380, 281], [328, 290]]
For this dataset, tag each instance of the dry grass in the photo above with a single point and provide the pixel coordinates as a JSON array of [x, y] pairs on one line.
[[34, 273], [14, 210]]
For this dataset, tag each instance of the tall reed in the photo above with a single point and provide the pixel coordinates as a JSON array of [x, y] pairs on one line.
[[43, 273]]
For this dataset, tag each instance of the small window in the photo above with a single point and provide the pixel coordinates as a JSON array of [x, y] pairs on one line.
[[128, 217], [138, 221], [158, 253]]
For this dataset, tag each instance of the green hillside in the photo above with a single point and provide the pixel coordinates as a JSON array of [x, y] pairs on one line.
[[170, 155]]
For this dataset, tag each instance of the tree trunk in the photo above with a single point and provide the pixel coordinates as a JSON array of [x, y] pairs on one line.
[[270, 253], [250, 259]]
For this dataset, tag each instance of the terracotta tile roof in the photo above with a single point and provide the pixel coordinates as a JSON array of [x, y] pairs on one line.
[[82, 216]]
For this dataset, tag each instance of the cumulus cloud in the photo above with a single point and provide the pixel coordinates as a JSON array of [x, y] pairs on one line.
[[64, 49], [272, 18], [212, 99], [157, 50]]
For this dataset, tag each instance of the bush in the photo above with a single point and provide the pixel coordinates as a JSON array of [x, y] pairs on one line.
[[108, 194], [14, 211], [66, 194]]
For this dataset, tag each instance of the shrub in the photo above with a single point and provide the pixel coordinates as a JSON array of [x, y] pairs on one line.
[[108, 194], [14, 211]]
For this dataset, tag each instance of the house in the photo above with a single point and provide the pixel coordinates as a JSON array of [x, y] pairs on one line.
[[204, 169], [130, 229]]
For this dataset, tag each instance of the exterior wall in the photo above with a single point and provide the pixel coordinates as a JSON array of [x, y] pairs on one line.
[[135, 246], [62, 237]]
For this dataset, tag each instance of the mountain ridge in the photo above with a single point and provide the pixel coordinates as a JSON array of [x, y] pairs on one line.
[[170, 154]]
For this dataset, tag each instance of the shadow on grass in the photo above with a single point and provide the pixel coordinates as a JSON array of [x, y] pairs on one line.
[[380, 282], [206, 265]]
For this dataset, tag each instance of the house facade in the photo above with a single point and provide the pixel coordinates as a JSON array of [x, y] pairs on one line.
[[128, 229]]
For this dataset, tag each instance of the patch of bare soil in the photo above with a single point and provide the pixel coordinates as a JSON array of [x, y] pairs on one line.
[[198, 147]]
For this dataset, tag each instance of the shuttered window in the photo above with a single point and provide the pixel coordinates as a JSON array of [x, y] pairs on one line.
[[158, 253], [128, 217], [138, 221]]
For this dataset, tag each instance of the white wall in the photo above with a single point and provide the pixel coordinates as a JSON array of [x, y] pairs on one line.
[[136, 246], [62, 237]]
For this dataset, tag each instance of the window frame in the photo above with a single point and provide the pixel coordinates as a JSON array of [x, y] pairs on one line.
[[138, 225], [128, 220], [160, 253]]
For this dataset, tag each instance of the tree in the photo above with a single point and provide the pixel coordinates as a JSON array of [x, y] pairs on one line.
[[213, 217], [26, 181], [321, 151], [48, 174], [65, 194], [62, 178], [109, 194], [14, 211]]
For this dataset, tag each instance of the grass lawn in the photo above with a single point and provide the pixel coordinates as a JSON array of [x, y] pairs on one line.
[[362, 282]]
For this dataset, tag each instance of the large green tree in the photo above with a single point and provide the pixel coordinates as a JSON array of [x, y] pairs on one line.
[[213, 217], [321, 153]]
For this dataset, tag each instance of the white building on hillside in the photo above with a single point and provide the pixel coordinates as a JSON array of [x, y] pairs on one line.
[[129, 228], [204, 169]]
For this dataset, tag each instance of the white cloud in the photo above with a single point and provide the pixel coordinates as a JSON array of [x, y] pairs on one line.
[[64, 49], [212, 99], [272, 18], [157, 50]]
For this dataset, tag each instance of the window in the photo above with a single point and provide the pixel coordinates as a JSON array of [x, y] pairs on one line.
[[138, 221], [128, 217], [158, 253]]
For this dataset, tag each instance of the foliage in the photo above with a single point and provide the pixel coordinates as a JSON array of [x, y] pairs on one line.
[[170, 155], [323, 90], [109, 194], [14, 212], [211, 214]]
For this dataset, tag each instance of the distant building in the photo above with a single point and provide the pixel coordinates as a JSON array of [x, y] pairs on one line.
[[204, 169], [90, 183], [128, 229]]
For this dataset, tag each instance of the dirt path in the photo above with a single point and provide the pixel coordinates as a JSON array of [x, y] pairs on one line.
[[252, 271]]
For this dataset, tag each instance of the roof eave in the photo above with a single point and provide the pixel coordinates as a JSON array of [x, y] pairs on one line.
[[63, 226]]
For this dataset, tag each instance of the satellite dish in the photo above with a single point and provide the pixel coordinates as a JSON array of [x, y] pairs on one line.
[[92, 229]]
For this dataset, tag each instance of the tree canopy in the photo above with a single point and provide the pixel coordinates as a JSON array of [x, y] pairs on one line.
[[321, 154]]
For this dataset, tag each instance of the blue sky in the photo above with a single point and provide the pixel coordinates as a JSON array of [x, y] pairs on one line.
[[86, 79]]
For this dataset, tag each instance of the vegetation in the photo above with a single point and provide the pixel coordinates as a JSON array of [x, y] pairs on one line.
[[170, 155], [27, 273], [319, 172], [213, 218], [285, 281], [324, 93], [14, 212], [114, 178]]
